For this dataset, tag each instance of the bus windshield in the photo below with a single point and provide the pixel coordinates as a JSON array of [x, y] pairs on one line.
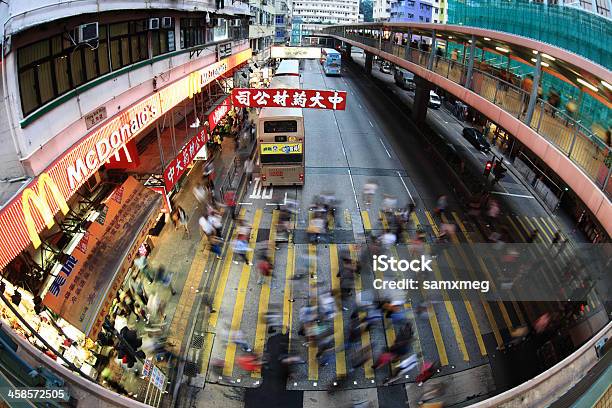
[[280, 126], [281, 158]]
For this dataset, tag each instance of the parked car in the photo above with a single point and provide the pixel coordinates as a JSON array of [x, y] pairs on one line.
[[385, 67], [476, 139], [434, 100], [404, 79]]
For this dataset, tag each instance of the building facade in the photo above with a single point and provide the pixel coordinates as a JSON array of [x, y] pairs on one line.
[[419, 11], [381, 10], [281, 22], [262, 28], [312, 15], [439, 12], [105, 107]]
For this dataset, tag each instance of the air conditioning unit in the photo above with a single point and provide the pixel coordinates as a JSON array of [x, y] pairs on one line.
[[166, 22], [154, 24], [86, 32]]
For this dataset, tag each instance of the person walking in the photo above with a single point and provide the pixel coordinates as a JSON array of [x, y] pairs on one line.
[[179, 217], [215, 245], [248, 169], [264, 267], [241, 248], [441, 205]]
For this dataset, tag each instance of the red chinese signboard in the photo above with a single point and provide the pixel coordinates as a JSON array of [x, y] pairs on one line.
[[83, 290], [32, 210], [218, 113], [288, 98], [178, 165]]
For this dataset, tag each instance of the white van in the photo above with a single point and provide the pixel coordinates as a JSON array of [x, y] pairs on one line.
[[404, 78]]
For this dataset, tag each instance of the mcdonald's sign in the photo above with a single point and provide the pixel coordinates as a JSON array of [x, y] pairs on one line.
[[40, 199], [194, 84]]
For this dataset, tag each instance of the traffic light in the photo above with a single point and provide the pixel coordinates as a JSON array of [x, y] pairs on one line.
[[488, 167], [499, 170]]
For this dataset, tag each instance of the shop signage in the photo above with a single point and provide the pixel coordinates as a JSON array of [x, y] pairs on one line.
[[295, 52], [87, 279], [31, 211], [95, 117], [146, 369], [177, 167], [218, 113], [289, 98], [281, 148], [158, 379], [224, 50]]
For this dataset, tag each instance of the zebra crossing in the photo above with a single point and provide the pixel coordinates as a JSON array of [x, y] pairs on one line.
[[460, 334]]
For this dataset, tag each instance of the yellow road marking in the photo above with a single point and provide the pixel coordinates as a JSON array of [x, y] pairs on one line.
[[485, 304], [365, 217], [220, 290], [313, 366], [550, 230], [365, 336], [208, 343], [288, 306], [338, 320], [230, 351], [544, 231], [433, 320], [447, 303], [264, 296]]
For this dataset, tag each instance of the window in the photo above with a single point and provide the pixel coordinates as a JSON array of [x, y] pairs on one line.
[[162, 40], [280, 126], [128, 43], [54, 66], [193, 32]]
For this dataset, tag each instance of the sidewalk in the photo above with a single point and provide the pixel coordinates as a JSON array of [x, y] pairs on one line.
[[183, 256]]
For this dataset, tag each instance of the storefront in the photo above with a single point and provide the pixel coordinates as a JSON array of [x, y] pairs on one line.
[[65, 257]]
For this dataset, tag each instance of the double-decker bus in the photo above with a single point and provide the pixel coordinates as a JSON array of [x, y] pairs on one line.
[[280, 134], [331, 61]]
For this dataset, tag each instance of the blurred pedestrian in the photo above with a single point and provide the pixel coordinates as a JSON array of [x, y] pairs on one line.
[[441, 205], [179, 217], [369, 191], [248, 169]]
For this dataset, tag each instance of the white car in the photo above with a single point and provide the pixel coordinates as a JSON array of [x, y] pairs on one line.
[[434, 100]]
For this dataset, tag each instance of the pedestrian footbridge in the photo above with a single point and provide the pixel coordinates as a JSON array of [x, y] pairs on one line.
[[575, 148]]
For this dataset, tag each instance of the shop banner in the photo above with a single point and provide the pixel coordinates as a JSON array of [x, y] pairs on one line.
[[288, 98], [177, 167], [295, 52], [92, 274], [125, 158], [218, 113]]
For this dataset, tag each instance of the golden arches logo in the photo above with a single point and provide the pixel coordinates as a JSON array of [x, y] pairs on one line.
[[194, 84], [41, 202]]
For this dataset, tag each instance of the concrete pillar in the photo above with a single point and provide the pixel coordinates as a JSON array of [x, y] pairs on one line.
[[468, 79], [369, 58], [534, 89], [432, 51], [421, 99], [349, 50]]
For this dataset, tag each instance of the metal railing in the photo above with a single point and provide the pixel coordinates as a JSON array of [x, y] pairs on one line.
[[559, 128]]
